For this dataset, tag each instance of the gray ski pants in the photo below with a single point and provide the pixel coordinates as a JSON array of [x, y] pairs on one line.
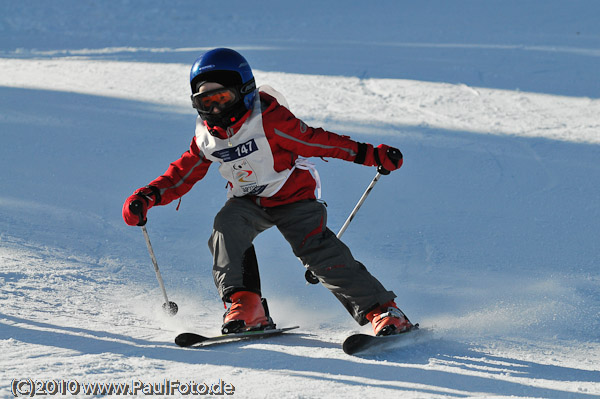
[[304, 225]]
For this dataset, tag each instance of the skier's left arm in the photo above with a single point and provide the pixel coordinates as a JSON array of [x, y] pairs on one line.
[[293, 135]]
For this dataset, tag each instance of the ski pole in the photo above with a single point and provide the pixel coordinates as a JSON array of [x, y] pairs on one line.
[[360, 202], [169, 307], [310, 276]]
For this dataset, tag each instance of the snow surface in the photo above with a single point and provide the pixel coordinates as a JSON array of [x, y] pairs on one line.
[[489, 234]]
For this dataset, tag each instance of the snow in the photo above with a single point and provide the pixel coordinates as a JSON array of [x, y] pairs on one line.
[[488, 234]]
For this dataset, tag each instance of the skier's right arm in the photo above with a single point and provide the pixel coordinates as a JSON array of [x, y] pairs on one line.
[[293, 135], [173, 184]]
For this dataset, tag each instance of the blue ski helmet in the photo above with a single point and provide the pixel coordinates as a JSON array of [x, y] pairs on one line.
[[226, 67]]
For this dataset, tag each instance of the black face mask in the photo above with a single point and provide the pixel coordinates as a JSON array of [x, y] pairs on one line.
[[225, 118]]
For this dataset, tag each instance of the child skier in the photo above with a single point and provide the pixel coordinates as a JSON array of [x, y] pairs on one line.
[[257, 143]]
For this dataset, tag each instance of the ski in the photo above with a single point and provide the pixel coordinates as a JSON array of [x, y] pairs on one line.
[[364, 343], [198, 341]]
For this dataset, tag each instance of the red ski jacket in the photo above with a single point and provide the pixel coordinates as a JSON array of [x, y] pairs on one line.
[[288, 138]]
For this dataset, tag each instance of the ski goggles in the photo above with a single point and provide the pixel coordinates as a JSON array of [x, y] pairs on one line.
[[219, 98]]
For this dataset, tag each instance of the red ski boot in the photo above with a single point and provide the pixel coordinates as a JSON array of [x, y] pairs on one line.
[[387, 319], [247, 312]]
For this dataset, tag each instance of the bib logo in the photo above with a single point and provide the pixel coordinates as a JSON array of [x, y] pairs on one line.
[[244, 176]]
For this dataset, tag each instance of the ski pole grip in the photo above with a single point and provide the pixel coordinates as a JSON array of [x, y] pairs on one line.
[[383, 170], [136, 207]]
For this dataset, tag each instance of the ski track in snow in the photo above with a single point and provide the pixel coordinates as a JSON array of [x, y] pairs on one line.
[[71, 321], [493, 243]]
